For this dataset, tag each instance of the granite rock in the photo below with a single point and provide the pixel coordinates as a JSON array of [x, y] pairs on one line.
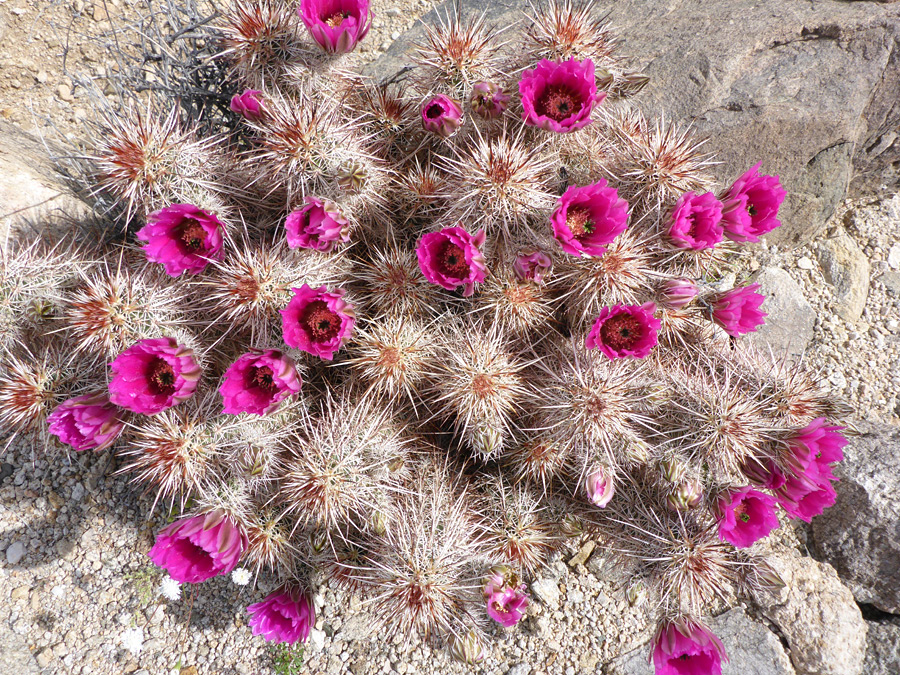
[[791, 319], [847, 269]]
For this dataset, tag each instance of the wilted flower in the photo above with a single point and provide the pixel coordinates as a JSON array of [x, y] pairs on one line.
[[600, 487], [587, 218], [196, 549], [319, 225], [678, 293], [747, 515], [287, 615], [696, 221], [625, 330], [507, 605], [249, 104], [489, 100], [687, 648], [533, 266], [737, 311], [170, 589], [336, 25], [452, 258], [764, 473], [751, 206], [559, 96], [441, 115], [88, 422], [466, 648], [153, 375], [183, 238], [318, 321], [258, 382]]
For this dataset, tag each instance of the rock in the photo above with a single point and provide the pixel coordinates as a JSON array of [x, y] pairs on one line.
[[44, 657], [752, 649], [790, 321], [583, 554], [805, 263], [316, 640], [817, 615], [14, 654], [847, 269], [812, 90], [893, 258], [546, 591], [891, 281], [356, 628], [519, 669], [883, 649], [860, 534], [15, 552]]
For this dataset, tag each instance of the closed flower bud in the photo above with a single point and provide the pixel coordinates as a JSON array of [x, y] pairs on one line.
[[678, 293], [686, 496], [467, 648], [636, 594], [599, 486], [488, 100], [673, 470]]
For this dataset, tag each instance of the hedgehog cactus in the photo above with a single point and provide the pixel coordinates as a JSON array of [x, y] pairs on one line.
[[496, 283]]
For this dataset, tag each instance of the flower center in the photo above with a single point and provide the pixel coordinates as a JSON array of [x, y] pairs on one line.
[[264, 378], [621, 331], [322, 323], [751, 209], [451, 261], [336, 19], [741, 512], [558, 103], [192, 235], [161, 376], [578, 220], [434, 111]]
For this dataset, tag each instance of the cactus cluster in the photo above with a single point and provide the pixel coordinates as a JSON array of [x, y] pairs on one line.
[[409, 338]]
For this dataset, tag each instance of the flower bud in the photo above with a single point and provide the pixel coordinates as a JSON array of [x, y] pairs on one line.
[[764, 576], [249, 104], [599, 487], [441, 115], [379, 523], [352, 176], [487, 441], [604, 78], [466, 648], [532, 266], [632, 83], [673, 470], [677, 293], [636, 594], [686, 496], [488, 100]]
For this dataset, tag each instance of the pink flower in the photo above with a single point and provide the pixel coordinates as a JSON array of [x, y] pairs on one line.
[[624, 330], [287, 615], [678, 293], [764, 473], [319, 225], [153, 375], [258, 382], [587, 218], [195, 549], [737, 310], [441, 115], [696, 221], [488, 100], [317, 321], [599, 487], [747, 516], [751, 206], [806, 497], [183, 238], [452, 258], [559, 96], [507, 605], [249, 104], [687, 648], [88, 422], [532, 266], [336, 25]]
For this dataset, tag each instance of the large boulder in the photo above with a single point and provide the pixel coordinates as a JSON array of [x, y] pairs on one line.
[[860, 534], [810, 89], [789, 325], [883, 650]]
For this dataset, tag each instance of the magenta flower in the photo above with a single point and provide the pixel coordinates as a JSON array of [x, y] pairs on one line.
[[488, 100], [258, 382], [751, 206], [559, 96], [88, 422], [196, 549], [249, 104], [533, 266], [624, 330], [737, 310], [806, 497], [287, 615], [696, 221], [319, 225], [587, 218], [183, 238], [599, 487], [507, 605], [336, 25], [317, 321], [441, 115], [818, 443], [452, 258], [747, 516], [153, 375], [687, 648], [678, 293], [764, 473]]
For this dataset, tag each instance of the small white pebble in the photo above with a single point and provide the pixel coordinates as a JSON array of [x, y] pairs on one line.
[[805, 263]]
